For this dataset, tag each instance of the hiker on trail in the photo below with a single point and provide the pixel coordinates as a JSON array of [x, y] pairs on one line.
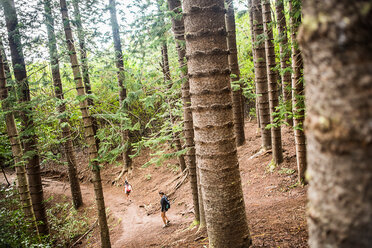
[[165, 205], [127, 188]]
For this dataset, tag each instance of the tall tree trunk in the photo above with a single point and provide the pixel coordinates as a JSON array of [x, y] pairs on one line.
[[261, 74], [84, 62], [276, 138], [188, 129], [211, 103], [19, 164], [284, 58], [337, 49], [61, 107], [250, 6], [121, 77], [298, 92], [30, 139], [8, 74], [238, 113], [168, 80], [88, 130]]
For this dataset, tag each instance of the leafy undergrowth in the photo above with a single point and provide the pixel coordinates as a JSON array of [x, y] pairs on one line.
[[65, 223], [15, 231]]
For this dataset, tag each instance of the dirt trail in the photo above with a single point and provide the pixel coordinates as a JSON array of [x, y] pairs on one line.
[[134, 226], [275, 204]]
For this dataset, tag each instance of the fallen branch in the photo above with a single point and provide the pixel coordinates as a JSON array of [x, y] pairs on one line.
[[85, 234], [5, 176]]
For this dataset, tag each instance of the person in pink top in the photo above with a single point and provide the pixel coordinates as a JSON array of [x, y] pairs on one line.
[[127, 188]]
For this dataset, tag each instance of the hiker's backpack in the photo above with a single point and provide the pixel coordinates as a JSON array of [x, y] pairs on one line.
[[167, 203]]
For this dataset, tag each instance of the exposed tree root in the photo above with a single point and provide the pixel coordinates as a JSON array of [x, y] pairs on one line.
[[185, 174], [260, 152]]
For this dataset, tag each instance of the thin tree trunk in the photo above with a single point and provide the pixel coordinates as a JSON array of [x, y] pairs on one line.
[[30, 139], [64, 122], [188, 129], [276, 139], [88, 130], [298, 93], [121, 77], [165, 64], [238, 114], [284, 59], [261, 74], [8, 73], [7, 181], [168, 80], [337, 49], [211, 104], [19, 163], [250, 6], [84, 62]]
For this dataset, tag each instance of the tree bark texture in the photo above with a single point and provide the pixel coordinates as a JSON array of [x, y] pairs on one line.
[[178, 28], [84, 62], [83, 50], [261, 74], [61, 107], [88, 130], [211, 103], [121, 77], [168, 80], [337, 49], [250, 6], [202, 220], [19, 163], [284, 59], [298, 103], [276, 138], [8, 74], [30, 140], [238, 113]]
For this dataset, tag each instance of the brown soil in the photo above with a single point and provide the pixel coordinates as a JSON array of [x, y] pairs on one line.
[[275, 204]]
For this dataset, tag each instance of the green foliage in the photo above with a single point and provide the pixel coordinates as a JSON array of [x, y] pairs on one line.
[[66, 224], [5, 147], [148, 176], [271, 166], [245, 57], [279, 115], [287, 171], [15, 229]]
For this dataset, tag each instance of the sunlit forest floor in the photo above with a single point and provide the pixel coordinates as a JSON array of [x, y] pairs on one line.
[[275, 204]]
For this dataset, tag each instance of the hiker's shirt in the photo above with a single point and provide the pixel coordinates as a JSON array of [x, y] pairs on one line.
[[163, 203], [127, 188]]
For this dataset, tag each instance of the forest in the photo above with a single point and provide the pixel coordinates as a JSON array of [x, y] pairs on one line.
[[186, 123]]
